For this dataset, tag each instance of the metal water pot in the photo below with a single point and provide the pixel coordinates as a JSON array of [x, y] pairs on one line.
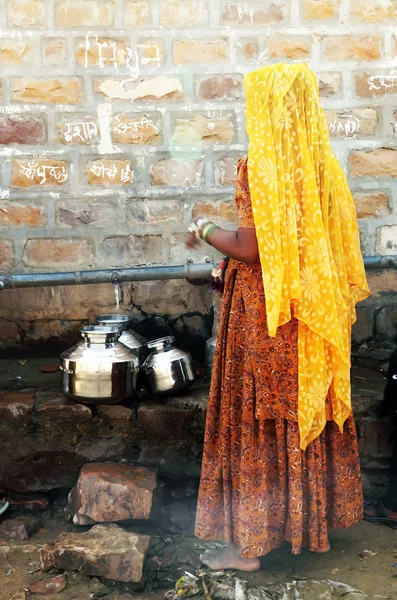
[[99, 369], [168, 369], [210, 347], [128, 337]]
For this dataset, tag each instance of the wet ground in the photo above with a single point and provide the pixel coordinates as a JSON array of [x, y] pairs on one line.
[[19, 565]]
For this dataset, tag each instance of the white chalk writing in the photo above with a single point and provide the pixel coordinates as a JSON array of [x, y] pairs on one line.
[[135, 126], [100, 170], [126, 174], [82, 131], [377, 82], [346, 124], [44, 172]]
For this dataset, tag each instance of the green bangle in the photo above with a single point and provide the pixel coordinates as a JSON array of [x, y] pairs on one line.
[[208, 230]]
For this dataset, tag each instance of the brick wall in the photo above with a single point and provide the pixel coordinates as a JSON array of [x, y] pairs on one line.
[[120, 119]]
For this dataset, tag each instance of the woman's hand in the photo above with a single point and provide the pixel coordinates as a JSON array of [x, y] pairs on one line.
[[192, 241]]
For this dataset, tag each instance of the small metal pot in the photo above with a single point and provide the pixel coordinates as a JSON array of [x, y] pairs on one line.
[[168, 369], [210, 347], [128, 336], [99, 369]]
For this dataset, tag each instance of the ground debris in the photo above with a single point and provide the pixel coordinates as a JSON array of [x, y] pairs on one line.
[[367, 554]]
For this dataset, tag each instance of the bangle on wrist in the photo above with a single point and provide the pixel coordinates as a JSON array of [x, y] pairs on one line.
[[208, 231]]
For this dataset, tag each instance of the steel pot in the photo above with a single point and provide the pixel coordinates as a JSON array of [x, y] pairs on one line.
[[128, 336], [167, 368], [210, 347], [99, 369]]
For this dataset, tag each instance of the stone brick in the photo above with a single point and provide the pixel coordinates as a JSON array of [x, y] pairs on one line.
[[375, 163], [353, 123], [293, 48], [47, 91], [225, 172], [374, 437], [55, 408], [149, 88], [319, 10], [6, 254], [223, 211], [21, 528], [31, 14], [54, 52], [108, 171], [346, 47], [110, 492], [386, 322], [104, 551], [151, 52], [19, 129], [329, 84], [363, 329], [137, 129], [171, 298], [57, 252], [372, 205], [21, 214], [176, 172], [254, 12], [375, 84], [247, 50], [14, 51], [75, 129], [386, 240], [100, 51], [201, 52], [373, 12], [183, 13], [42, 172], [200, 128], [133, 250], [179, 254], [221, 87], [88, 213], [382, 283], [85, 13], [9, 332], [161, 212], [137, 14]]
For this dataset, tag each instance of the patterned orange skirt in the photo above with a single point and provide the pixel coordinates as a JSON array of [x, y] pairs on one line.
[[258, 488]]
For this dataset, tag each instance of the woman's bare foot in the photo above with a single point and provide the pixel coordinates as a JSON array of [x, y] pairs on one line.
[[370, 511], [229, 558]]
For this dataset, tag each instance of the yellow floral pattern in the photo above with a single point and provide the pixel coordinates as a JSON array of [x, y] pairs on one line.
[[307, 236]]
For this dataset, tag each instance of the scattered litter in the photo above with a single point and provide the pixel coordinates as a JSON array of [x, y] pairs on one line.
[[22, 362], [187, 586], [11, 569], [240, 589], [367, 554], [334, 571]]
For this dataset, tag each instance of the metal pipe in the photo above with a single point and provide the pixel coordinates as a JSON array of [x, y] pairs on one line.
[[189, 271]]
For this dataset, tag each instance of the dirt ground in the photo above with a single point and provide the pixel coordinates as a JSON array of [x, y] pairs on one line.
[[19, 566]]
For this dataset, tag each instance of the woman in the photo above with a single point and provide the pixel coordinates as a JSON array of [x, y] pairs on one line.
[[280, 456]]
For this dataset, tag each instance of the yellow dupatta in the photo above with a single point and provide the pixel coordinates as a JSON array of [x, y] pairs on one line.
[[308, 236]]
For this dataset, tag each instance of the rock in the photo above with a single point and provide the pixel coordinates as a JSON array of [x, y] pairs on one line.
[[106, 551], [180, 516], [18, 596], [48, 586], [21, 528], [16, 407], [56, 408], [108, 492]]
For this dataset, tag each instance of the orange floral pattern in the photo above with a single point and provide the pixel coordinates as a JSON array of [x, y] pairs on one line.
[[258, 487]]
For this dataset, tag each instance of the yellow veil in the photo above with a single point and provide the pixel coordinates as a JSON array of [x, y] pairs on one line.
[[307, 234]]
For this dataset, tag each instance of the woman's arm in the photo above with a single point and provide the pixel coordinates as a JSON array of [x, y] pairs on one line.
[[241, 245]]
